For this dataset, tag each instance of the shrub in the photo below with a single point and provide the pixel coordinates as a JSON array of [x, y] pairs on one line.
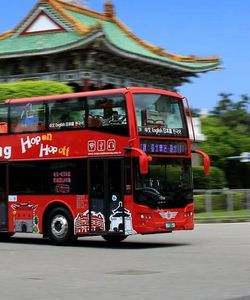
[[22, 89], [239, 200], [216, 179], [199, 203]]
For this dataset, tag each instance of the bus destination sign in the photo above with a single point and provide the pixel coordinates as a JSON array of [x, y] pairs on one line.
[[164, 147]]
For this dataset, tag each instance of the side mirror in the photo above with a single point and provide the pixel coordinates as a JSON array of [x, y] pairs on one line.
[[144, 159], [206, 160]]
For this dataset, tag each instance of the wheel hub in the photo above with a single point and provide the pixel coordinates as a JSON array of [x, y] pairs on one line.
[[59, 226]]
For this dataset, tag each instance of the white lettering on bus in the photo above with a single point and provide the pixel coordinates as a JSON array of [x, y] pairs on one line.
[[5, 152], [46, 150], [29, 142]]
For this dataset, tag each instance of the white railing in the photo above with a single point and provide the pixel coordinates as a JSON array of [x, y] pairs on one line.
[[220, 205]]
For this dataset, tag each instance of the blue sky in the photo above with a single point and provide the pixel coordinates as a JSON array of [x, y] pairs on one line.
[[203, 28]]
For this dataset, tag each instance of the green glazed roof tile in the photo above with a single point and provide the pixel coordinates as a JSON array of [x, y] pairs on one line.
[[122, 41], [33, 43]]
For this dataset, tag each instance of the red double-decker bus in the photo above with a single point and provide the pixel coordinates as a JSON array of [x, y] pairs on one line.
[[112, 163]]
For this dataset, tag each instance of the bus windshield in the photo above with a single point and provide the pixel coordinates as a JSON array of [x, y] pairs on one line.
[[167, 185], [159, 115]]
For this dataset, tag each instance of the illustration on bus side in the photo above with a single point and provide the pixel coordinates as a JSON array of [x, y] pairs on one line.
[[116, 220], [25, 218], [81, 222]]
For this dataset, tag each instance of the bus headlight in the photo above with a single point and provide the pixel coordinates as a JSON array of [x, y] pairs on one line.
[[146, 216], [188, 214]]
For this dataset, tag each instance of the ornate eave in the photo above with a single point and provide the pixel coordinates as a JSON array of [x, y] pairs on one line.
[[160, 51], [172, 65]]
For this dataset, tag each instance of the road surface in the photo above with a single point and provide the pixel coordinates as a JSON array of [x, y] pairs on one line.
[[210, 263]]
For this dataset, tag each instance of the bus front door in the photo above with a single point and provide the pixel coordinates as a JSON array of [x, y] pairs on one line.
[[3, 198], [106, 181]]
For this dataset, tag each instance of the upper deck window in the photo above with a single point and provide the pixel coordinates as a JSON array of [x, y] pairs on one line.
[[160, 115], [66, 114], [27, 117], [103, 113], [107, 114], [3, 118]]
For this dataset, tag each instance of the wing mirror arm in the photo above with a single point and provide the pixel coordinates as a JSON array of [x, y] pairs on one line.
[[144, 159], [206, 160]]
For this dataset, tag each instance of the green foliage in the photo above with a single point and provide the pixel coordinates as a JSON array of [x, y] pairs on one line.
[[222, 141], [22, 89], [199, 203], [239, 201], [224, 216], [228, 134], [219, 202], [216, 179], [234, 114]]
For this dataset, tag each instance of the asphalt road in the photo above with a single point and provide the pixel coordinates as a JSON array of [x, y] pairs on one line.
[[212, 262]]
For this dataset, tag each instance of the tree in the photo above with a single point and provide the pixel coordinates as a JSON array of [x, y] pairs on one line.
[[234, 114], [228, 134], [223, 105]]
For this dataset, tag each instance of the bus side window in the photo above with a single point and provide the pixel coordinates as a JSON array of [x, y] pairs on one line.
[[27, 117], [3, 118], [3, 127], [66, 114], [96, 111], [106, 111]]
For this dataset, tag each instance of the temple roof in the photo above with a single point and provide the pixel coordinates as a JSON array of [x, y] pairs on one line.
[[55, 26]]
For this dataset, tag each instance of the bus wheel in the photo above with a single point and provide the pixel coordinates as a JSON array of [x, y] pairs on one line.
[[4, 236], [114, 239], [60, 226]]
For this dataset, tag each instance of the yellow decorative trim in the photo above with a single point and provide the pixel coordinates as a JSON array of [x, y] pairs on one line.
[[109, 9], [59, 6], [82, 10], [82, 29], [6, 35], [79, 27], [24, 20], [160, 51]]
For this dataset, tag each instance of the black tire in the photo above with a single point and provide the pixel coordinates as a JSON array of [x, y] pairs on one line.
[[4, 236], [60, 226], [114, 239]]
